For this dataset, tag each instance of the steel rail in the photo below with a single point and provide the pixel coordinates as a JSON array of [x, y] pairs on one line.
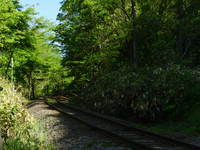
[[128, 125], [173, 143]]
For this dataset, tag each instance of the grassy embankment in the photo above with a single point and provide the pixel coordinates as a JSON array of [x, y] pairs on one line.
[[17, 127], [189, 124]]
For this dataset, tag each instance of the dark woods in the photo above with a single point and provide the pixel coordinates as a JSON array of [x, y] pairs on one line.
[[131, 57]]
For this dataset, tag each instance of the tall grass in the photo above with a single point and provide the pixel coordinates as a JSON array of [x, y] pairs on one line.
[[18, 129]]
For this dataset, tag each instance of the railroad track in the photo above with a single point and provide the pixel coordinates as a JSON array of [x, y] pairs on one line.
[[31, 104], [139, 138]]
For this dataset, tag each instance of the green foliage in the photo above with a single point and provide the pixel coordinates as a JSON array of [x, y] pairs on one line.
[[99, 33], [83, 38], [56, 82], [187, 124], [13, 26], [147, 93], [34, 68], [17, 127], [27, 42], [117, 52]]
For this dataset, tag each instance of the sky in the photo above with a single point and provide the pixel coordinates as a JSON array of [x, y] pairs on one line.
[[46, 8]]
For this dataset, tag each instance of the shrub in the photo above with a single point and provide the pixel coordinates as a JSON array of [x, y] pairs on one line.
[[149, 93], [18, 129]]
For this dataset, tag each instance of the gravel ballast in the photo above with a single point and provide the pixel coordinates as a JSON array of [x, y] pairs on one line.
[[65, 133]]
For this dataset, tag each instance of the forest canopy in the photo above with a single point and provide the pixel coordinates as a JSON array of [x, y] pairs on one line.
[[27, 56]]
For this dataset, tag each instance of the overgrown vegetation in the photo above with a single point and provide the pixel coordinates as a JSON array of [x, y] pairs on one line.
[[132, 58], [146, 93], [18, 129], [28, 60]]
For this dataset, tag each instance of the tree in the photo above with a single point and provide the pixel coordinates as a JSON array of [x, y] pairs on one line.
[[101, 39], [27, 40], [13, 29], [34, 65]]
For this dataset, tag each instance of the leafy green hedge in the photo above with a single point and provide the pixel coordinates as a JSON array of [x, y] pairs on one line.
[[149, 93], [18, 129]]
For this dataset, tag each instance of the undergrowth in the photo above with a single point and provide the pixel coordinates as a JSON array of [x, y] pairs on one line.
[[149, 94], [189, 124], [163, 99], [18, 129]]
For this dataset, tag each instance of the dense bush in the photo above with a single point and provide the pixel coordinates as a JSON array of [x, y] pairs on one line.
[[18, 129], [149, 93]]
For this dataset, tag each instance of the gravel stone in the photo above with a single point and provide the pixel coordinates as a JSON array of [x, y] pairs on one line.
[[65, 133]]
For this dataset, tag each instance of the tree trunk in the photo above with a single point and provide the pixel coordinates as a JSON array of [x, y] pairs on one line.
[[9, 61], [180, 27], [133, 55], [33, 89], [1, 143], [29, 84]]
